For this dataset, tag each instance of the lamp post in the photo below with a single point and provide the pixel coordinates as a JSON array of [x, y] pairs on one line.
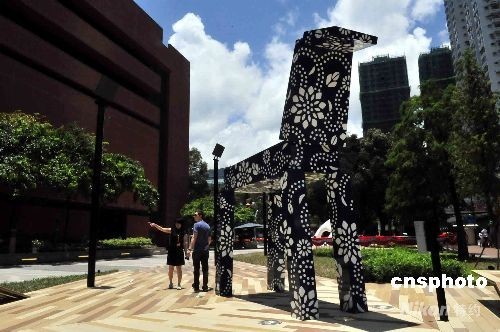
[[105, 91], [96, 193], [217, 153], [264, 220]]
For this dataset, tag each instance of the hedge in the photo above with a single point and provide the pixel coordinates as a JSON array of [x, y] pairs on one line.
[[128, 243], [381, 265]]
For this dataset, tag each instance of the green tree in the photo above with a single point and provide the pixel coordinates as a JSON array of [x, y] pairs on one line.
[[438, 109], [198, 174], [67, 170], [364, 159], [242, 214], [25, 144], [416, 190], [349, 163], [33, 154], [316, 202], [476, 137], [121, 174], [374, 174], [205, 204]]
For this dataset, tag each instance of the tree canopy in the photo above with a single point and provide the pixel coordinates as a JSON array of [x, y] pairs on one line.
[[476, 136], [415, 188], [34, 154], [198, 174], [364, 160], [242, 214]]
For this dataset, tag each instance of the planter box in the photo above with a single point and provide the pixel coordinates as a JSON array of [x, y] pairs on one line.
[[75, 256]]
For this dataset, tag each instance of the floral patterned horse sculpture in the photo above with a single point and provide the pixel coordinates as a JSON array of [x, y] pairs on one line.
[[313, 128]]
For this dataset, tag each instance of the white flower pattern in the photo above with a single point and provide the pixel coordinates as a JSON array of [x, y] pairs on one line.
[[304, 306], [304, 248], [308, 107], [346, 81], [316, 111], [244, 175], [277, 200], [346, 240], [225, 244], [337, 45]]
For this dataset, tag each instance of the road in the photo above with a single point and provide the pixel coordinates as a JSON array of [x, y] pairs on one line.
[[29, 272]]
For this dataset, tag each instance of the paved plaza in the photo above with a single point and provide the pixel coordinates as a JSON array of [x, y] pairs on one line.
[[31, 271], [28, 272], [138, 300]]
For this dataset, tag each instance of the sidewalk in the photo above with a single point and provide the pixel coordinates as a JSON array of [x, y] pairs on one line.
[[476, 250], [488, 252], [140, 301]]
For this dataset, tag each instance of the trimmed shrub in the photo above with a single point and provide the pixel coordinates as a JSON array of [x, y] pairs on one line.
[[381, 265], [128, 243]]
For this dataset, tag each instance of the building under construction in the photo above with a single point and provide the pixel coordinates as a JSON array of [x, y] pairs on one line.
[[383, 88], [437, 66]]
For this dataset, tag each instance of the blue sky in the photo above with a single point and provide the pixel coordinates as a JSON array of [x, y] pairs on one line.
[[241, 51]]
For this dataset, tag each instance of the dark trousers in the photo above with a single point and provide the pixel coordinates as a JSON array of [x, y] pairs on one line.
[[200, 256]]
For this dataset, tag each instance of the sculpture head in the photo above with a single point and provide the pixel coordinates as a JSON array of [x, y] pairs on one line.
[[317, 98]]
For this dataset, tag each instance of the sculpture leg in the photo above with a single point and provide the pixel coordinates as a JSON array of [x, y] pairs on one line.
[[224, 259], [276, 246], [270, 242], [346, 250], [304, 302]]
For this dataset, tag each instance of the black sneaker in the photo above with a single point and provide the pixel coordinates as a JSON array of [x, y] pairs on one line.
[[206, 289]]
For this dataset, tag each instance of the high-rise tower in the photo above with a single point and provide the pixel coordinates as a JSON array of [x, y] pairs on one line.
[[475, 24], [383, 87], [437, 65]]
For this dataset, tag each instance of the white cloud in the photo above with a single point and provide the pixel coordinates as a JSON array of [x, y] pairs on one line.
[[397, 34], [287, 21], [423, 9], [234, 102], [239, 104], [444, 37]]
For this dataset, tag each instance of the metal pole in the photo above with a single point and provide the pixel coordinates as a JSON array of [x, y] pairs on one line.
[[481, 254], [441, 298], [96, 193], [498, 244], [216, 204], [264, 220], [436, 267]]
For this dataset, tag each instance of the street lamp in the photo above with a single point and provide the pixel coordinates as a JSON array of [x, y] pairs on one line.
[[217, 153], [105, 92]]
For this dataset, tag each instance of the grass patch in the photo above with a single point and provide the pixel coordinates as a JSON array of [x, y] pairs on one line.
[[256, 258], [40, 283], [323, 266], [380, 265], [483, 264]]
